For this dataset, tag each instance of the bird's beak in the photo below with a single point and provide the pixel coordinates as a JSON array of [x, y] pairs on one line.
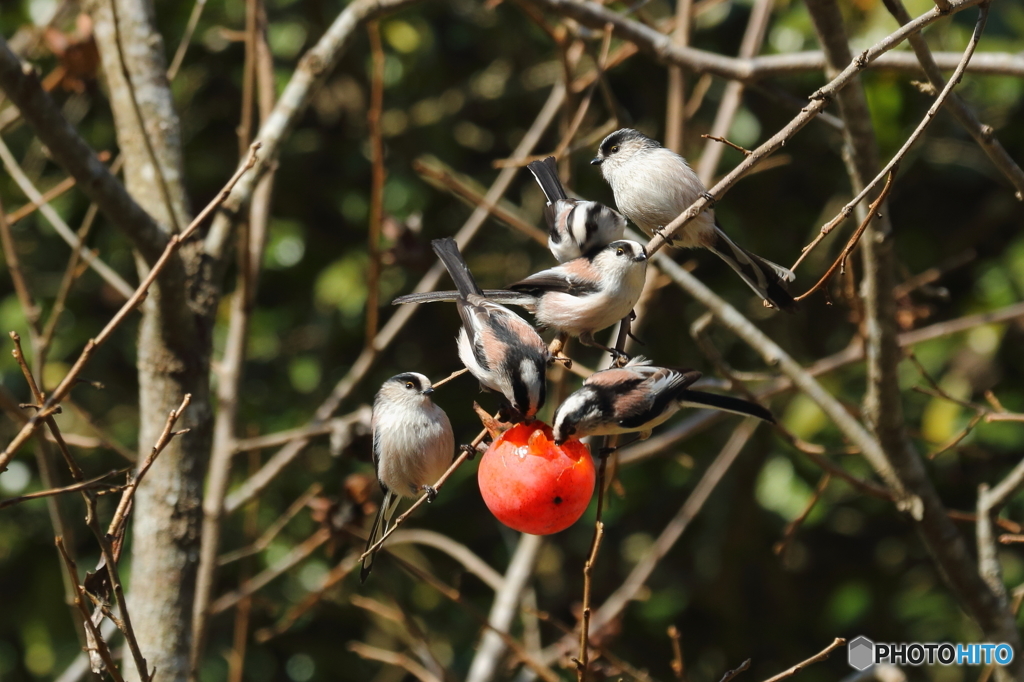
[[560, 441], [596, 161], [642, 257], [428, 390]]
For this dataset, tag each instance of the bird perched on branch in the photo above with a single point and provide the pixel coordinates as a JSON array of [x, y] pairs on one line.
[[413, 446], [654, 185], [577, 298], [502, 350], [636, 398], [575, 226]]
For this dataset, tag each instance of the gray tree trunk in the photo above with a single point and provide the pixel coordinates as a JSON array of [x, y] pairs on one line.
[[173, 344]]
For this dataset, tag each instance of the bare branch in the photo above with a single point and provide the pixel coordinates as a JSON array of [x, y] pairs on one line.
[[393, 658], [69, 150], [279, 567], [71, 377], [872, 214], [820, 656], [753, 38], [91, 484], [66, 233], [313, 69], [981, 133], [96, 638], [504, 608], [273, 529]]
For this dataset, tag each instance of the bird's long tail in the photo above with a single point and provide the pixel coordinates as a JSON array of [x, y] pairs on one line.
[[448, 251], [380, 526], [496, 295], [725, 403], [763, 276], [546, 174]]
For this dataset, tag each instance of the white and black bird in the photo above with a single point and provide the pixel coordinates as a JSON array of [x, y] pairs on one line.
[[575, 226], [577, 298], [502, 350], [636, 398], [653, 185], [413, 446]]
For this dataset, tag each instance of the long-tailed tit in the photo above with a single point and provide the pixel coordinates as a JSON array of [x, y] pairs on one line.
[[636, 398], [413, 446], [575, 226], [577, 298], [499, 348], [653, 185]]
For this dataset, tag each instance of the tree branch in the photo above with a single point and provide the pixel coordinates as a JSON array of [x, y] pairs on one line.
[[22, 86]]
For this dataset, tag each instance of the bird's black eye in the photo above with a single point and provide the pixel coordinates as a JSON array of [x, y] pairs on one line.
[[614, 149], [571, 430], [620, 251], [409, 384]]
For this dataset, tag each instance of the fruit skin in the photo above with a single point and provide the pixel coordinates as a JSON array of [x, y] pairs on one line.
[[532, 485]]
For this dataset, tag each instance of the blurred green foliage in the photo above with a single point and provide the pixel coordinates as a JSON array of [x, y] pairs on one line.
[[463, 83]]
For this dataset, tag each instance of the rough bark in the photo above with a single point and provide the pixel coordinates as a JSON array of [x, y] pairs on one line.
[[883, 407], [173, 344]]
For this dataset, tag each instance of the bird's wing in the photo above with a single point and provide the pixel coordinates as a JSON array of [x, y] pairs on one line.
[[557, 279], [658, 389]]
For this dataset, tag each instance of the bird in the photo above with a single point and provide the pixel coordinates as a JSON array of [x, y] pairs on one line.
[[577, 298], [636, 398], [502, 350], [575, 226], [653, 185], [413, 446]]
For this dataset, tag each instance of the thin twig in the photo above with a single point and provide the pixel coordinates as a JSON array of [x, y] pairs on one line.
[[436, 173], [117, 523], [584, 656], [279, 567], [456, 373], [393, 658], [678, 665], [729, 675], [81, 602], [271, 532], [872, 213], [292, 615], [410, 629], [455, 596], [90, 347], [92, 484], [21, 289], [51, 423], [732, 97], [124, 623], [186, 39], [66, 233], [716, 138], [820, 656], [378, 176], [793, 526], [890, 168], [982, 134]]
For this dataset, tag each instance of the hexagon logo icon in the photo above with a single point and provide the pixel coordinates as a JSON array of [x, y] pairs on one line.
[[860, 653]]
